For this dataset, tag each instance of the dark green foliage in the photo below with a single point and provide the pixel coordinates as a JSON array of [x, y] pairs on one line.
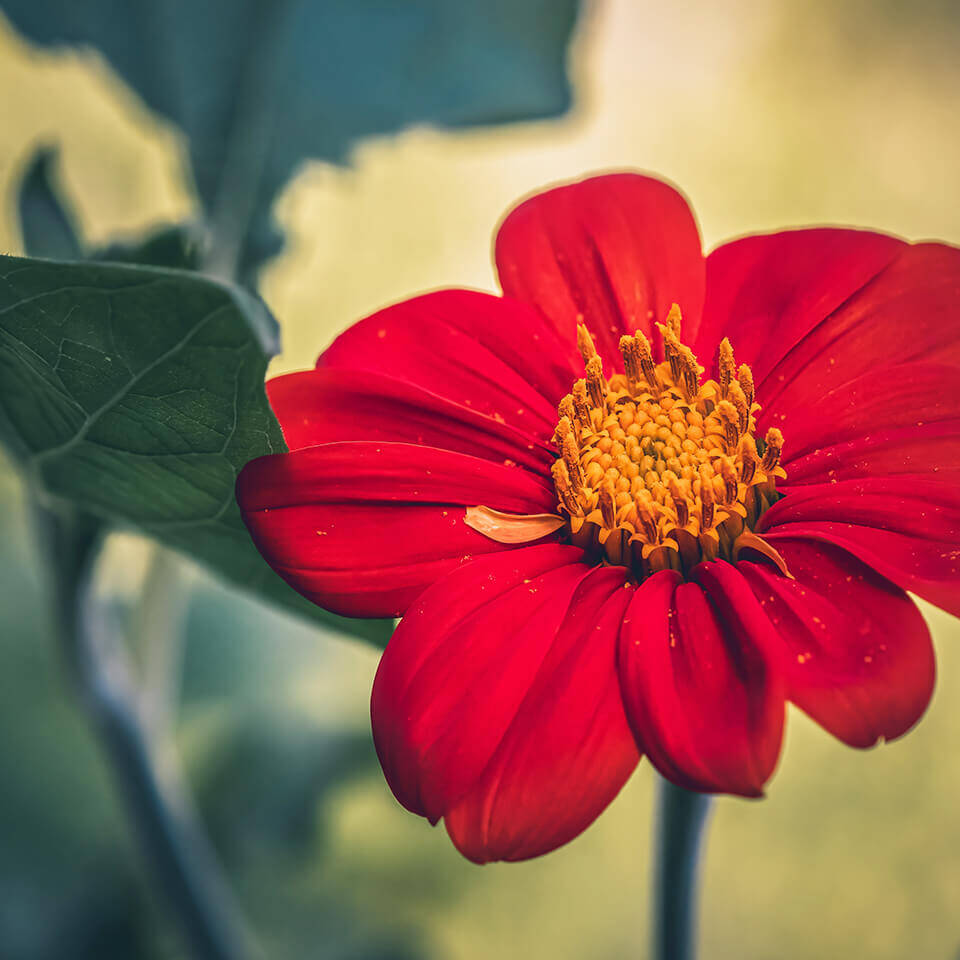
[[136, 393]]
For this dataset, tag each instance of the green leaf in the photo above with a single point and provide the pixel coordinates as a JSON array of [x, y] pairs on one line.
[[258, 86], [136, 393]]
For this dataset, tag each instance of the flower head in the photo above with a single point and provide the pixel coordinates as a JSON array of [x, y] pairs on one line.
[[656, 470], [632, 506]]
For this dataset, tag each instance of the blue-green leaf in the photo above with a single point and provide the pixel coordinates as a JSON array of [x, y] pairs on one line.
[[258, 86], [136, 394], [48, 228]]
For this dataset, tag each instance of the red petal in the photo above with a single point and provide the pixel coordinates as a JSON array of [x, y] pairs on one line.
[[491, 354], [363, 528], [459, 666], [612, 251], [700, 683], [930, 452], [811, 310], [329, 405], [909, 313], [862, 411], [907, 529], [569, 749], [767, 292], [858, 655]]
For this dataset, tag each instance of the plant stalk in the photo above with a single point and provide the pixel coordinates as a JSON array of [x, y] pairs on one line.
[[680, 821], [149, 782]]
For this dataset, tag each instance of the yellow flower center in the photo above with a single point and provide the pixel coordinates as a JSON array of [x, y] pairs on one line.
[[657, 469]]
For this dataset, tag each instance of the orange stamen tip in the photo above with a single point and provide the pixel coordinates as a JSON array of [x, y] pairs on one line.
[[630, 351], [730, 480], [607, 503], [674, 319], [645, 358], [690, 372], [745, 379], [739, 399], [570, 451], [730, 419], [596, 384], [581, 403], [594, 368], [563, 429], [726, 365], [749, 459], [669, 334], [585, 343], [774, 447], [566, 493]]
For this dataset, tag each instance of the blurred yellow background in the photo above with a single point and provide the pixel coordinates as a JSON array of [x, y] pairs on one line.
[[766, 115]]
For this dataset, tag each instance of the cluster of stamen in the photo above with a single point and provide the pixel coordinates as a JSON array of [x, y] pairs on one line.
[[657, 469]]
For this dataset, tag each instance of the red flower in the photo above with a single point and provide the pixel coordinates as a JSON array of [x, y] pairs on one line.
[[598, 556]]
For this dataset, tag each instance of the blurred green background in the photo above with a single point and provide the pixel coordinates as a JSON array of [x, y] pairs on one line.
[[766, 115]]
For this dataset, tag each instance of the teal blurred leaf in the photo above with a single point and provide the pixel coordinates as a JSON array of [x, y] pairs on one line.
[[258, 86], [136, 394], [47, 227], [179, 247]]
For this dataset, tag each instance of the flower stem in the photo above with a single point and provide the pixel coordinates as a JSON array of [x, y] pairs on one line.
[[149, 783], [681, 817]]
